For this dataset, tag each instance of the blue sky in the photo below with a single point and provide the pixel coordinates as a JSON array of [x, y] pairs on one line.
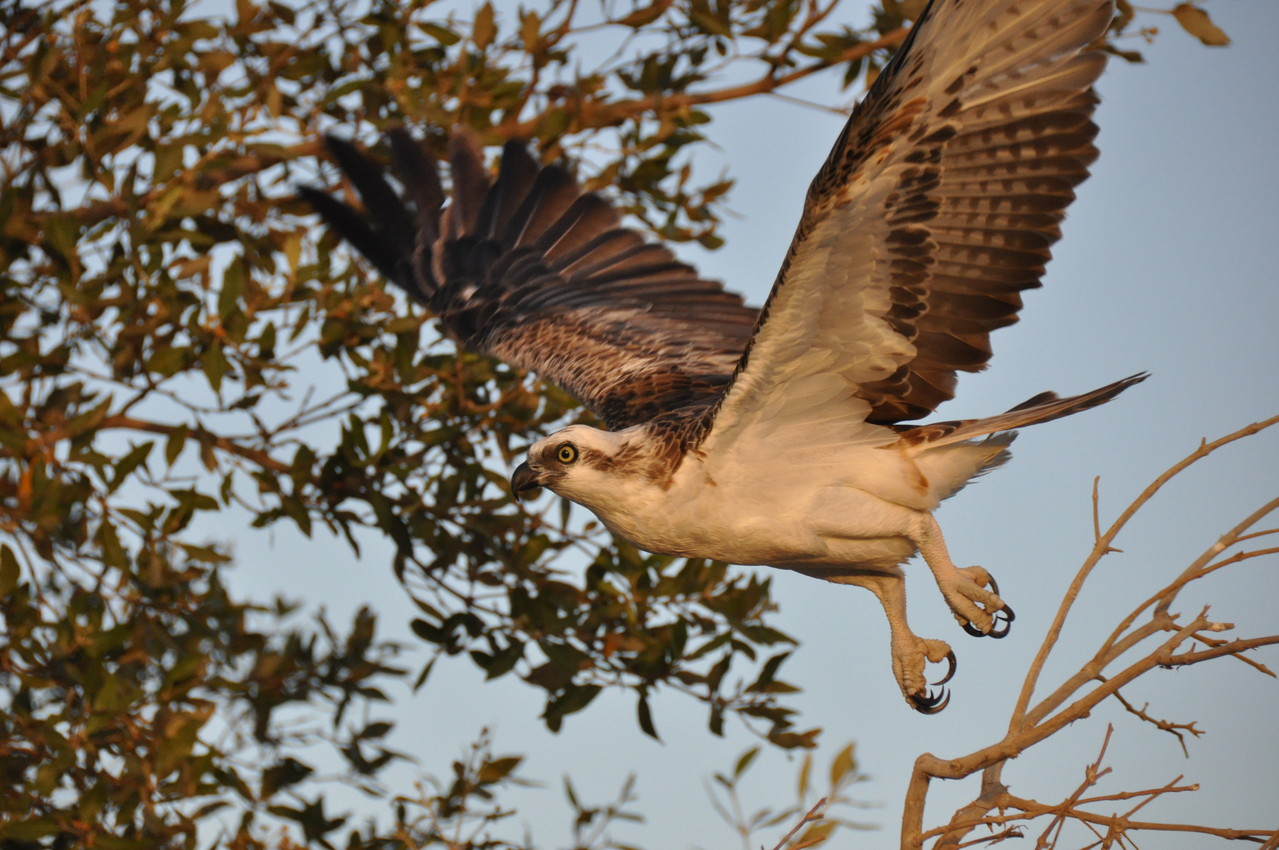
[[1168, 264]]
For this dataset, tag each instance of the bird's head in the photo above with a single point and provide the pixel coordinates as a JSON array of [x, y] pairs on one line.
[[578, 462]]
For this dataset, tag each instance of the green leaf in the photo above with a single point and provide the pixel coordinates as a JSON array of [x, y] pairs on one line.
[[297, 511], [744, 762], [531, 31], [113, 553], [206, 554], [843, 766], [173, 446], [10, 571], [62, 233], [645, 714], [498, 769], [485, 27], [1195, 21], [376, 730], [126, 465], [213, 63], [443, 35], [716, 721], [168, 361], [215, 365], [180, 734], [115, 696], [711, 23], [504, 660], [282, 774], [794, 740], [232, 287], [645, 16], [194, 499], [574, 699]]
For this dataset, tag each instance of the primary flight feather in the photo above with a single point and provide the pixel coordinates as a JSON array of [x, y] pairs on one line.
[[777, 436]]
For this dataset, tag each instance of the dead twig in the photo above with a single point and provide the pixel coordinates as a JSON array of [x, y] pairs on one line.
[[1128, 645]]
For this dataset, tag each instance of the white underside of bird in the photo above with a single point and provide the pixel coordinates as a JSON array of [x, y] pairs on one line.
[[848, 509]]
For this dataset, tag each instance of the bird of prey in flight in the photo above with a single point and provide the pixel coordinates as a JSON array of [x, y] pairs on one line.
[[781, 436]]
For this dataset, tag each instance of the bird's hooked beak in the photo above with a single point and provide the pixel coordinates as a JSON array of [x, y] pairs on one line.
[[524, 482]]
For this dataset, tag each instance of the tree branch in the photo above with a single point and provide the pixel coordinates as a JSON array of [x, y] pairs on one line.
[[1102, 547], [1083, 691], [607, 113]]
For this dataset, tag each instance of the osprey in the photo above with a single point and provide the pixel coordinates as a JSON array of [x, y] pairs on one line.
[[778, 436]]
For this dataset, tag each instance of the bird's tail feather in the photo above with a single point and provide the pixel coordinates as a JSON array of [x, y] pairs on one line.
[[1044, 407]]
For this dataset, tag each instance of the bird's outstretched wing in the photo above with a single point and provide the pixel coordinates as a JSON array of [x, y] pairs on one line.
[[935, 209], [528, 268]]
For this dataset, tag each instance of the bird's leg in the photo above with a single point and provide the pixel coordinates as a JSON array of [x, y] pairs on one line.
[[909, 650], [979, 611]]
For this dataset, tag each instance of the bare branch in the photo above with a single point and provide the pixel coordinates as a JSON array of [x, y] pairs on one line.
[[1034, 809], [1080, 693], [1234, 648], [1092, 773], [1169, 726], [1103, 546], [1251, 662]]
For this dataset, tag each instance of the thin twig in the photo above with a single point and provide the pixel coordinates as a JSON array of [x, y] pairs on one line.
[[1092, 773], [1172, 728], [816, 813], [604, 113]]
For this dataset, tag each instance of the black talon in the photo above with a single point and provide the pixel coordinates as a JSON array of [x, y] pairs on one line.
[[1001, 624], [931, 703], [950, 657], [1008, 616], [994, 585]]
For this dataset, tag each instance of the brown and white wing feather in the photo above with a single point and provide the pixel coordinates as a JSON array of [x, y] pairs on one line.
[[934, 211], [528, 268]]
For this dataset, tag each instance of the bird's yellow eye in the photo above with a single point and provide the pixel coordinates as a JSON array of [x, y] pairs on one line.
[[567, 453]]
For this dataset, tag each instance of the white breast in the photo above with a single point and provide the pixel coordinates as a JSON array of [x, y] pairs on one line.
[[774, 510]]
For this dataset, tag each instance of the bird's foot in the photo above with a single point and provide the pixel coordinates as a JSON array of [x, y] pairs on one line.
[[980, 612], [909, 658]]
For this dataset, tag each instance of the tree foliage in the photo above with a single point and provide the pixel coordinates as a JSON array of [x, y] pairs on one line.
[[182, 354]]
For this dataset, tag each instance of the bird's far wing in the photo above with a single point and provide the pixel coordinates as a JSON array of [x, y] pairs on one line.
[[528, 268], [935, 209]]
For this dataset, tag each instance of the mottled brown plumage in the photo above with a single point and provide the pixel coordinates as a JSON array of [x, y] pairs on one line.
[[528, 268], [781, 437]]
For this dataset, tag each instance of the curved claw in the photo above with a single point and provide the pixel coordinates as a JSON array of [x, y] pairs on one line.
[[1003, 617], [950, 660], [932, 702]]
